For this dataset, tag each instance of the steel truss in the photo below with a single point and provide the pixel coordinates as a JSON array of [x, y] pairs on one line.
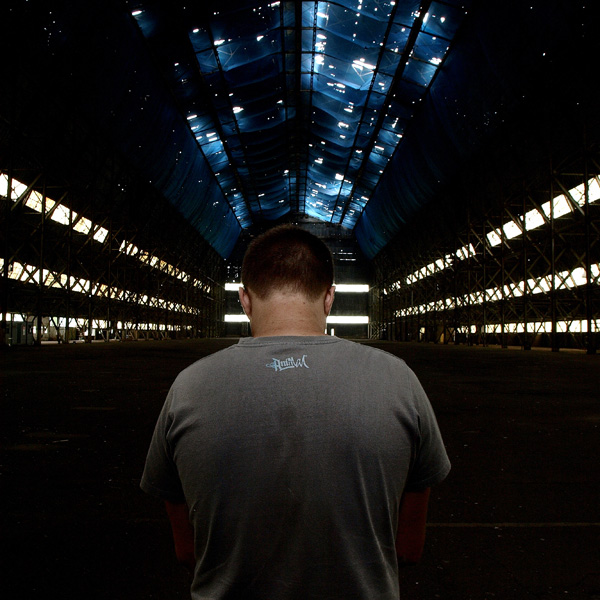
[[112, 262], [523, 272]]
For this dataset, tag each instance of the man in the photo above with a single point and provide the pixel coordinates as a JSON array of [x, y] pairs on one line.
[[295, 465]]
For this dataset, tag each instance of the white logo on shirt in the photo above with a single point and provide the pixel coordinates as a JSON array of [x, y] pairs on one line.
[[288, 363]]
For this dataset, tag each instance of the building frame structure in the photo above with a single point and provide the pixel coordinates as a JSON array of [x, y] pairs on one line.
[[525, 271], [110, 261]]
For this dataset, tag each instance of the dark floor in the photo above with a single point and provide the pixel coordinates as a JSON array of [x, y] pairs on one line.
[[518, 517]]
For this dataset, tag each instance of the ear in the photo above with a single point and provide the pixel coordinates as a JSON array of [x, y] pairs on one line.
[[328, 302], [245, 301]]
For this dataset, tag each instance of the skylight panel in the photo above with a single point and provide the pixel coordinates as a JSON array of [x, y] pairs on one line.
[[36, 202], [561, 206], [533, 220], [594, 189], [419, 72], [512, 230], [100, 234], [83, 225], [61, 214], [361, 65], [18, 188]]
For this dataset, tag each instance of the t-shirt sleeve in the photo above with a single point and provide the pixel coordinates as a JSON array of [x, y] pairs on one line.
[[430, 463], [160, 477]]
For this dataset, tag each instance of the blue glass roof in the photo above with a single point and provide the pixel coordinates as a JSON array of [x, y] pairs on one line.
[[297, 107], [367, 115]]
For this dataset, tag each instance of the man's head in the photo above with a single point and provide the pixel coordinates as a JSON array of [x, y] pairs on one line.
[[287, 259]]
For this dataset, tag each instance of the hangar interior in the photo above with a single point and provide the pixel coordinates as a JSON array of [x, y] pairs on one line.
[[448, 153], [446, 150]]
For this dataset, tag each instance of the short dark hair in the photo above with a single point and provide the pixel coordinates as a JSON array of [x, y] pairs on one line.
[[287, 257]]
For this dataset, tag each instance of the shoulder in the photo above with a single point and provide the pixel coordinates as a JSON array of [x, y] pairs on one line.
[[373, 363], [371, 353], [205, 365]]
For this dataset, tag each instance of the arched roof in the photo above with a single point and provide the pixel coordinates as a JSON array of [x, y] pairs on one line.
[[353, 112]]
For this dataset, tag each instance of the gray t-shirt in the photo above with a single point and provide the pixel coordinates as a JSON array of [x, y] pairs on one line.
[[292, 454]]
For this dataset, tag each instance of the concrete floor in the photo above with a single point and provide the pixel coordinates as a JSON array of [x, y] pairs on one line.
[[518, 517]]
